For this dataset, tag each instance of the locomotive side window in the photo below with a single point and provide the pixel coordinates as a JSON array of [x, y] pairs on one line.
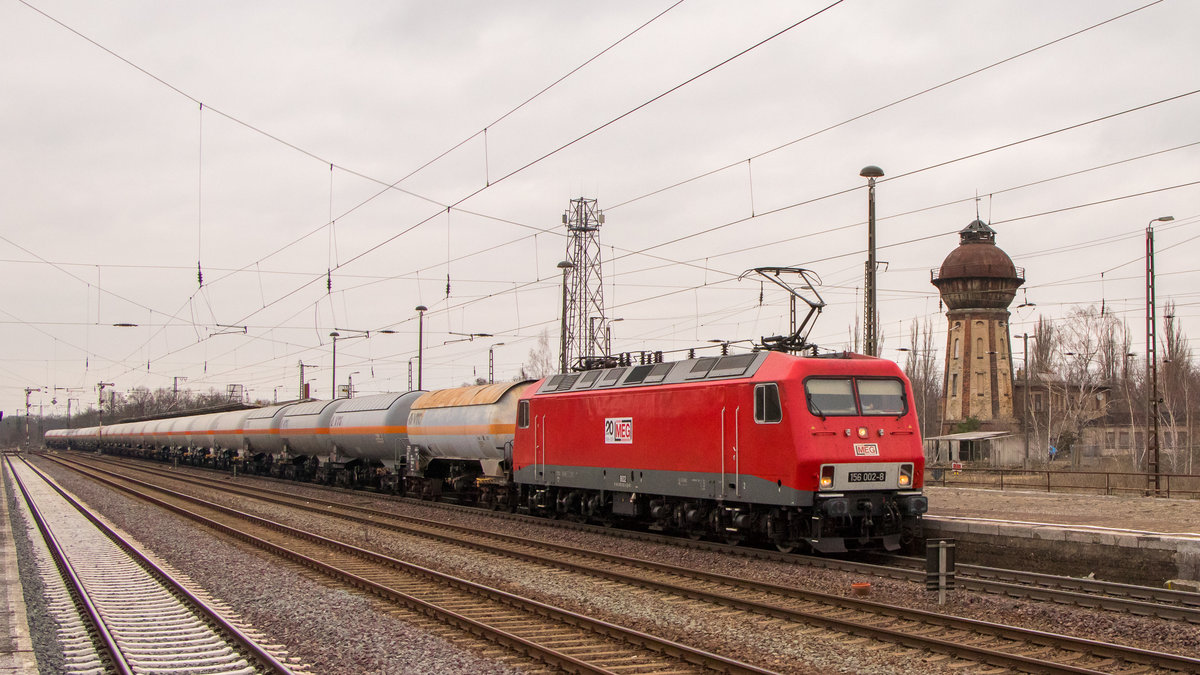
[[523, 414], [881, 397], [767, 408], [830, 396]]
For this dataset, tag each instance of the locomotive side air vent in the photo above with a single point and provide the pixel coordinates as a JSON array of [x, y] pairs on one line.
[[589, 378], [658, 373], [732, 366], [610, 377], [638, 374], [701, 367]]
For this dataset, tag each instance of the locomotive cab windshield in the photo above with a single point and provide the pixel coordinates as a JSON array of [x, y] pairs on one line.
[[842, 397]]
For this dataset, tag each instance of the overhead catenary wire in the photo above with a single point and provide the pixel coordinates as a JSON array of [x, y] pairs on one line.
[[448, 256]]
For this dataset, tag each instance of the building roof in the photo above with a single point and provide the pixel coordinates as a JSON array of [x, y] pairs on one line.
[[978, 256], [970, 436]]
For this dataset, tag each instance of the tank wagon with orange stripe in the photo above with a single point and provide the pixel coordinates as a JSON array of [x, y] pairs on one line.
[[368, 438], [461, 438]]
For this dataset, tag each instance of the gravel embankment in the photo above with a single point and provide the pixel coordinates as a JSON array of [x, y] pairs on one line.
[[766, 643], [332, 631]]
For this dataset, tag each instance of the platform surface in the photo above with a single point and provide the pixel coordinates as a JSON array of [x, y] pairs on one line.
[[16, 648], [1143, 514]]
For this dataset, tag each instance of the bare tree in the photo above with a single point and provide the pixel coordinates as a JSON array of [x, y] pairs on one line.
[[1176, 392], [541, 361], [925, 374], [1080, 389]]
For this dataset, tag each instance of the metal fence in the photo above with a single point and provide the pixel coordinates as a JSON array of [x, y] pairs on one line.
[[1181, 486]]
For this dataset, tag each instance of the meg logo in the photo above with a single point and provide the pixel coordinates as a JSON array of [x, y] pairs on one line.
[[618, 430], [866, 450]]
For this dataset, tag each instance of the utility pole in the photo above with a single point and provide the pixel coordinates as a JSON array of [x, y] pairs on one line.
[[28, 391], [100, 403], [1153, 469], [303, 365]]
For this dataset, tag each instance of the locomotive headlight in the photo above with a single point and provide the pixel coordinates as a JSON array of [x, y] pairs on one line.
[[826, 476], [905, 478], [862, 432]]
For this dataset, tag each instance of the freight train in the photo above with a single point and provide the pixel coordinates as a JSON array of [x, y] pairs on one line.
[[819, 452]]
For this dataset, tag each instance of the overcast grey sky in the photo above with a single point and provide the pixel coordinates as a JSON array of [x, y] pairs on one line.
[[115, 181]]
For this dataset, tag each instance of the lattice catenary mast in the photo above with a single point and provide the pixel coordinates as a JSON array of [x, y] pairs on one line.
[[586, 331]]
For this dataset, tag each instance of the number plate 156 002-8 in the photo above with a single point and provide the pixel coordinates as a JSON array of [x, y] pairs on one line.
[[867, 476]]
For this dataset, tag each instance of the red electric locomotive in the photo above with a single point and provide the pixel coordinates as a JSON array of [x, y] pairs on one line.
[[817, 451]]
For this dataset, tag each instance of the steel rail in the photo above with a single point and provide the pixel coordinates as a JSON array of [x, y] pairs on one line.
[[247, 644], [107, 641], [994, 657], [683, 652], [1109, 596]]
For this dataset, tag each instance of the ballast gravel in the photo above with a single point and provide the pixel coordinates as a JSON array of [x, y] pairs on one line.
[[337, 631], [327, 630]]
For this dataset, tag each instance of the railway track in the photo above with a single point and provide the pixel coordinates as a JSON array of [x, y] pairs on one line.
[[565, 640], [118, 611], [1149, 601], [992, 644]]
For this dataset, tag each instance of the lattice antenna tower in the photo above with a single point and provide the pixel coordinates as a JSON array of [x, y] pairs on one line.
[[587, 333]]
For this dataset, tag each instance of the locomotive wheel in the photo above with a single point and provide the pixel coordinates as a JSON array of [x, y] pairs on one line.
[[785, 546]]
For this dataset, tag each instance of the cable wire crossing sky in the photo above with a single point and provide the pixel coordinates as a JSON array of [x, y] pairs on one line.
[[198, 196]]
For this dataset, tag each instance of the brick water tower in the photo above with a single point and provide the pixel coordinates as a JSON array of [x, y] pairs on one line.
[[977, 282]]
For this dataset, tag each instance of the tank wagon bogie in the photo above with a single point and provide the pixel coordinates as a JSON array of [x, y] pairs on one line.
[[812, 452]]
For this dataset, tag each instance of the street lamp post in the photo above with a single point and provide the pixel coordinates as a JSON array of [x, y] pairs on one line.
[[566, 266], [1153, 469], [492, 362], [871, 315], [338, 336], [421, 309], [333, 367]]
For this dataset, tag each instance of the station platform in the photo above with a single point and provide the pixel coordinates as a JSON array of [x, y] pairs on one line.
[[16, 649], [1141, 540]]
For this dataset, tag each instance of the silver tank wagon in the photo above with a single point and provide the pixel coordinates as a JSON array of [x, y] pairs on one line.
[[372, 428], [304, 429], [260, 433]]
